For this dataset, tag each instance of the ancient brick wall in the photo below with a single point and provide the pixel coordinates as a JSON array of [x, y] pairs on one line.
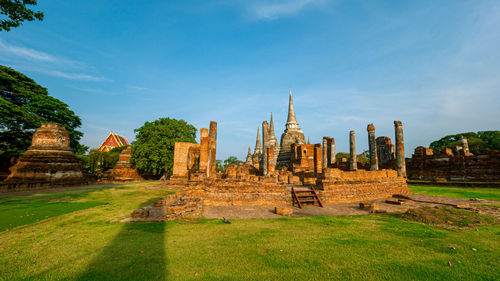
[[351, 186], [229, 192], [426, 165], [181, 153], [386, 153]]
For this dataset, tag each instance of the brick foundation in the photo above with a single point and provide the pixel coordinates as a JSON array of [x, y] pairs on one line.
[[352, 186]]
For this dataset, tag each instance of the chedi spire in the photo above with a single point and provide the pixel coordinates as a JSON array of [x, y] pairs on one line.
[[292, 120], [271, 127], [258, 145]]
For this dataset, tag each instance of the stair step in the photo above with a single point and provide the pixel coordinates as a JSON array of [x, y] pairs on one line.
[[303, 196], [308, 201]]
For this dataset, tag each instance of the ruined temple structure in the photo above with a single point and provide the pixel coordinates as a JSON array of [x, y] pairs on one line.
[[453, 165], [258, 182], [193, 161], [385, 152], [122, 170], [292, 135], [269, 173], [113, 140], [271, 155], [294, 154], [49, 161]]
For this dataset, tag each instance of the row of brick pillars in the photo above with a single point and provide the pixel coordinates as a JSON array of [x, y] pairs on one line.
[[400, 152]]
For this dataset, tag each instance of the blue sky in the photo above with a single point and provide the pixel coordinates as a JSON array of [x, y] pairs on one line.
[[434, 65]]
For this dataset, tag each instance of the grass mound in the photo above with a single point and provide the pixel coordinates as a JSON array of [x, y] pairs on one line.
[[447, 217]]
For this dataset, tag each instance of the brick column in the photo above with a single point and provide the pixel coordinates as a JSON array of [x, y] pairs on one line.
[[212, 149], [331, 152], [265, 146], [373, 147], [204, 150], [318, 167], [353, 161], [325, 151], [400, 149]]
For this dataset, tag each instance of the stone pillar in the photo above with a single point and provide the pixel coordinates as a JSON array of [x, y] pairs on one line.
[[400, 149], [204, 149], [328, 152], [331, 152], [373, 147], [265, 146], [270, 164], [212, 148], [353, 161], [465, 145], [318, 167], [325, 151]]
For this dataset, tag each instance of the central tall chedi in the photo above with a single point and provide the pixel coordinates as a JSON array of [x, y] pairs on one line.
[[292, 134]]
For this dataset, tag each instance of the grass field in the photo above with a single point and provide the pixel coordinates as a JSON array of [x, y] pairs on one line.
[[84, 242], [457, 192]]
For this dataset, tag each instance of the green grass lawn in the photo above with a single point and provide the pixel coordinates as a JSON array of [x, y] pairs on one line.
[[89, 244], [457, 192]]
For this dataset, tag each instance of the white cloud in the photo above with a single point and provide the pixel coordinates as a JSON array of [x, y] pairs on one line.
[[18, 51], [273, 9], [27, 59], [73, 76]]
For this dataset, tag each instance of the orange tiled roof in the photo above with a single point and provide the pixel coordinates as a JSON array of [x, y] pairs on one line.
[[113, 140]]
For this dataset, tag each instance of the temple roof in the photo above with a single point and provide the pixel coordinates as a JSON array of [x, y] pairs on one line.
[[113, 140]]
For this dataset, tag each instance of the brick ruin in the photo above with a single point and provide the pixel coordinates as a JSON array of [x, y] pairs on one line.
[[49, 161], [266, 177], [193, 161], [122, 170], [457, 164]]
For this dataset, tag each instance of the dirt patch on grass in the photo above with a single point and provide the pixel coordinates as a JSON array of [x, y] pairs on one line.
[[448, 217]]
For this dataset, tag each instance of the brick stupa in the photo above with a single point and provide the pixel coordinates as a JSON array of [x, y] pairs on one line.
[[49, 161], [122, 170]]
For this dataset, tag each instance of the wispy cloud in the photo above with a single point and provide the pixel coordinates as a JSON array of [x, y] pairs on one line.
[[74, 76], [28, 53], [93, 90], [272, 9], [27, 59], [138, 88]]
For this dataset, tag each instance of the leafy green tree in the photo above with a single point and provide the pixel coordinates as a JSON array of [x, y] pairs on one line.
[[153, 148], [479, 142], [491, 139], [362, 158], [24, 105], [231, 160], [104, 160], [16, 11], [218, 166]]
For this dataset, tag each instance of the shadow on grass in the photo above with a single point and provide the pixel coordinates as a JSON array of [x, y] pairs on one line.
[[136, 253]]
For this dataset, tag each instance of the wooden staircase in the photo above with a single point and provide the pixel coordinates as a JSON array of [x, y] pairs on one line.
[[305, 195]]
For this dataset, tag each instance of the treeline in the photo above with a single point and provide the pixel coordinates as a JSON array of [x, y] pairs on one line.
[[480, 142]]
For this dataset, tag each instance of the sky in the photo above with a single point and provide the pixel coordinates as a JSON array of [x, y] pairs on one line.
[[434, 65]]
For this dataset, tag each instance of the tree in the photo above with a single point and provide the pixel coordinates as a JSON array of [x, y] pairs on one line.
[[104, 160], [24, 105], [479, 142], [218, 166], [153, 148], [17, 12], [361, 158], [231, 160]]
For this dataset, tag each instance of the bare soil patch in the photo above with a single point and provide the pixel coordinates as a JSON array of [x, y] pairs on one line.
[[448, 217]]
